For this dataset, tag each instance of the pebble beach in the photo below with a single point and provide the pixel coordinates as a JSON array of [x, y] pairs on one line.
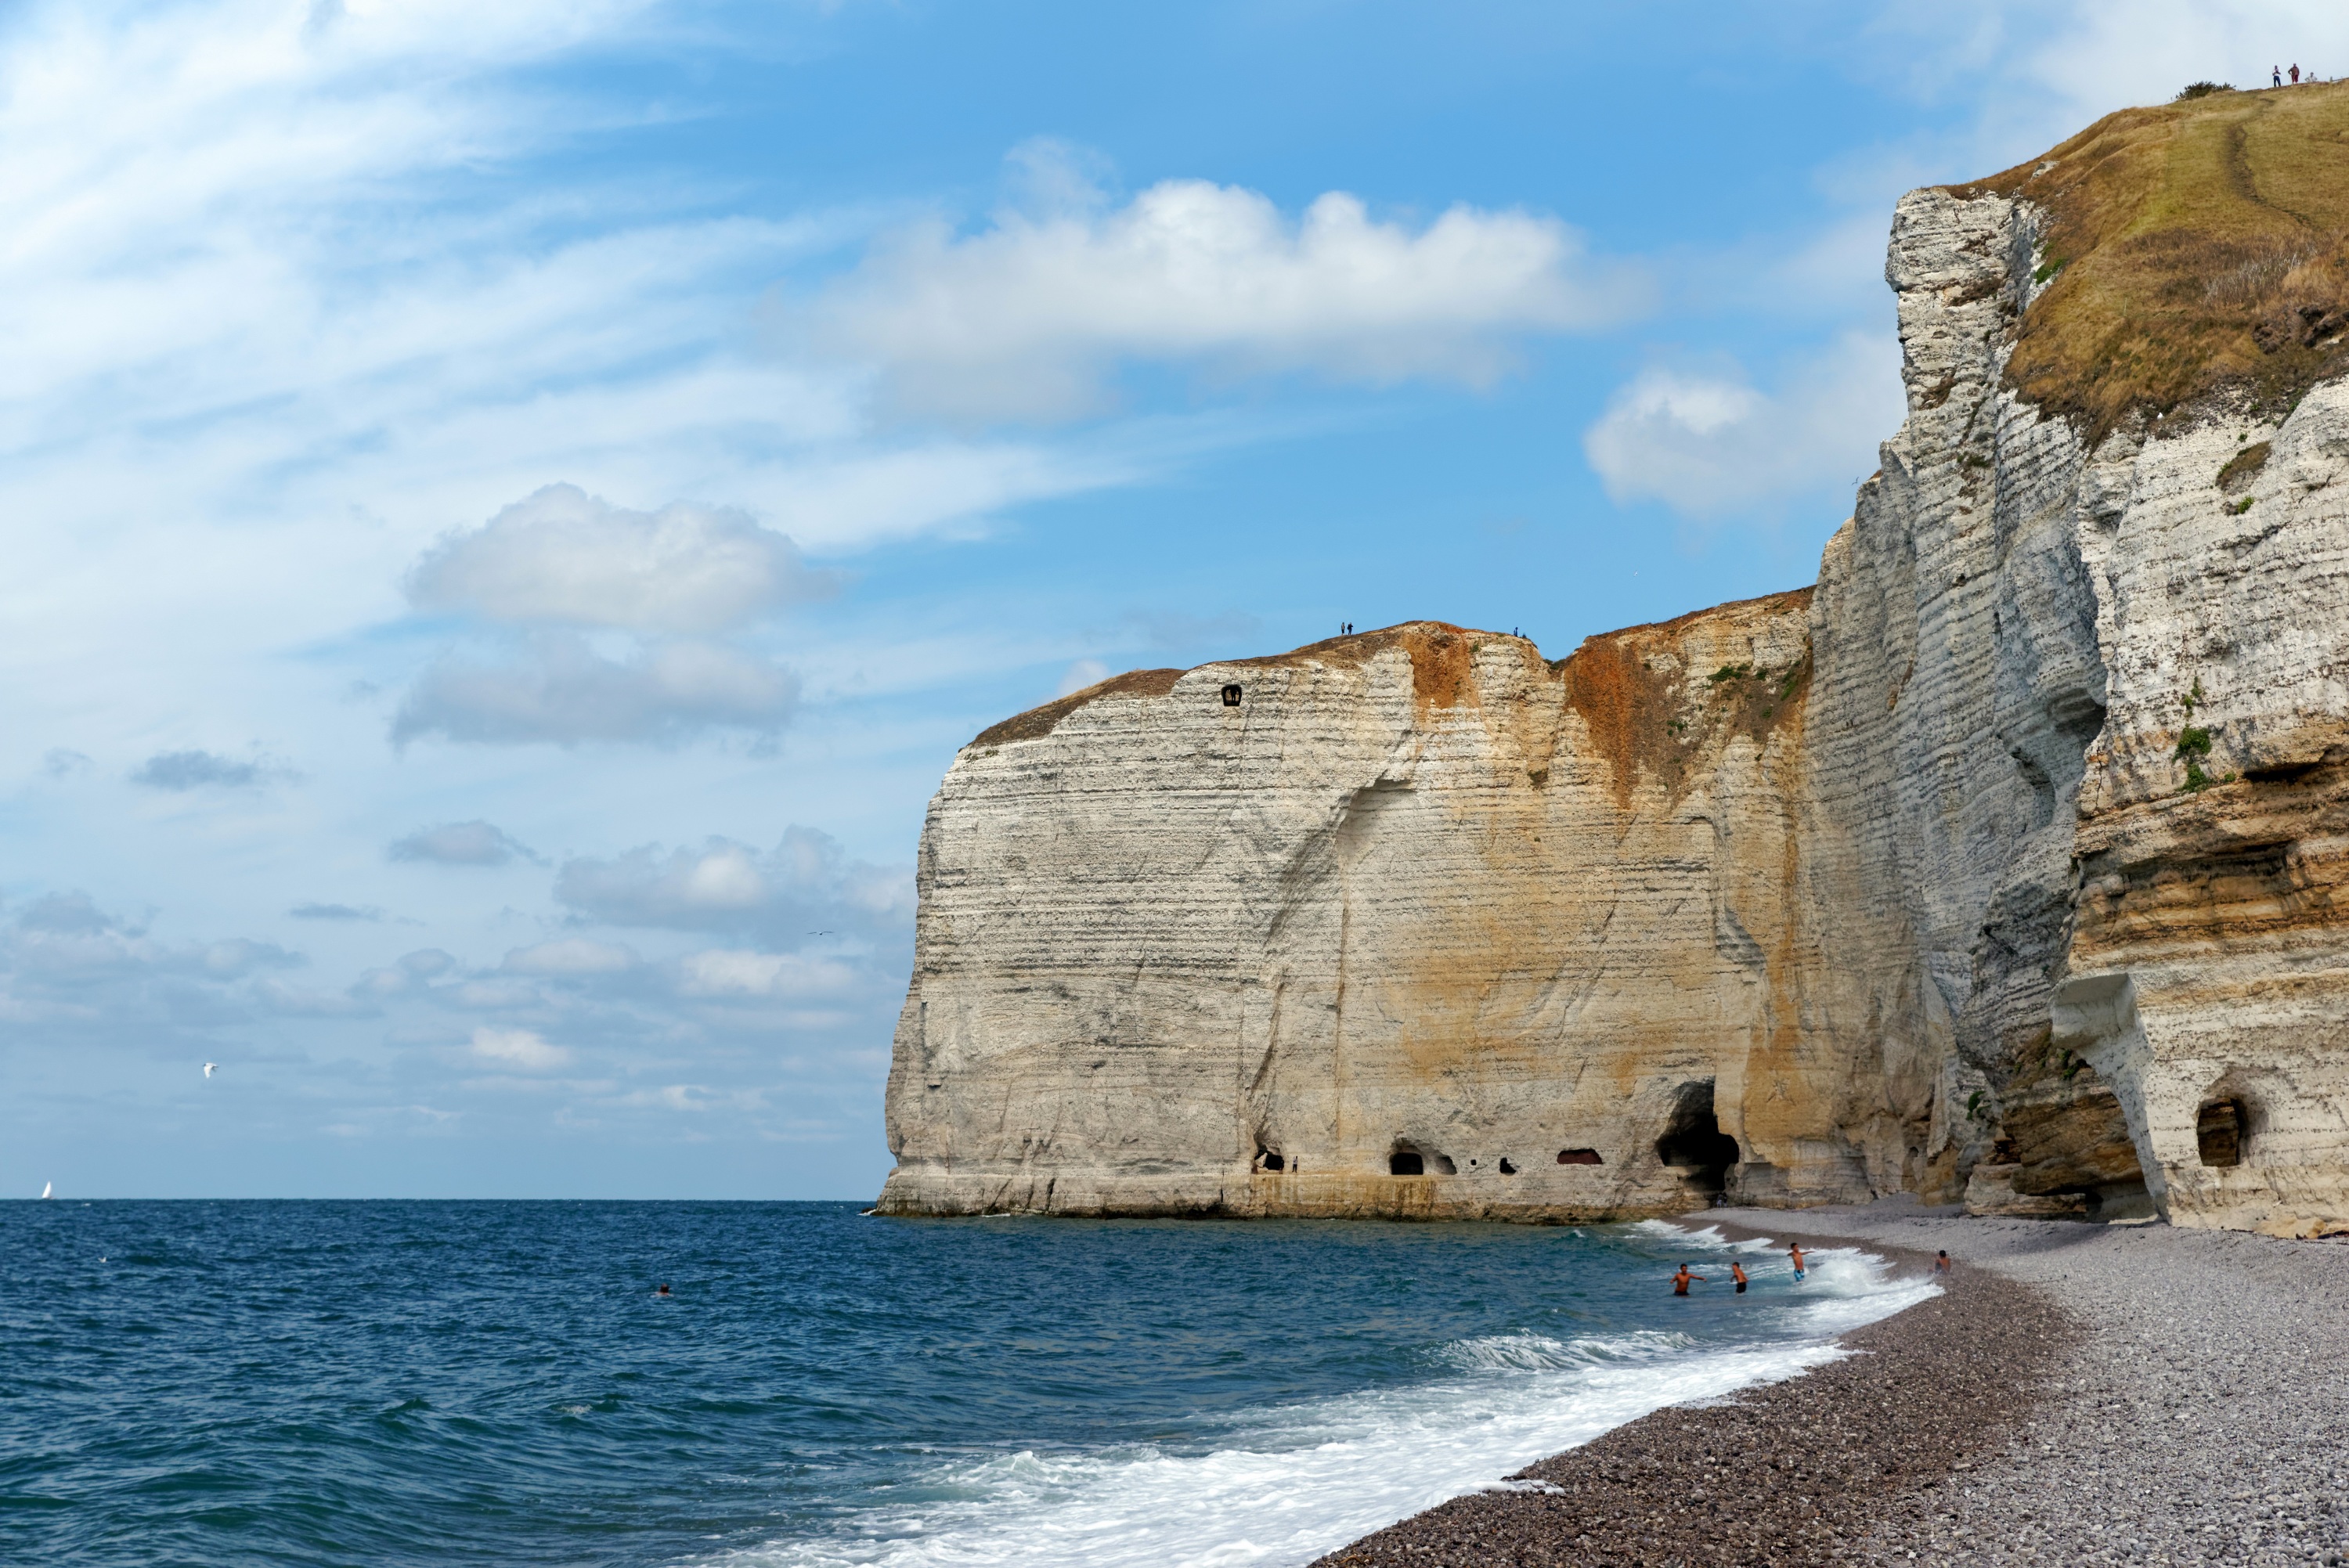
[[2080, 1394]]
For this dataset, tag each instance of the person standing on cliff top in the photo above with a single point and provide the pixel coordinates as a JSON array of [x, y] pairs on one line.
[[2295, 75], [1794, 1253], [1680, 1280]]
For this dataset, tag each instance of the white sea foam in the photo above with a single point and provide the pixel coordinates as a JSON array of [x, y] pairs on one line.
[[1297, 1481]]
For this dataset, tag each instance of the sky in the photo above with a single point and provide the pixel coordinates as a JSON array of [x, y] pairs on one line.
[[511, 510]]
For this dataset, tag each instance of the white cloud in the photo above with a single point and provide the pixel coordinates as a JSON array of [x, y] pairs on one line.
[[1709, 444], [524, 1048], [804, 888], [1027, 318], [772, 977], [1081, 674], [561, 691], [564, 557]]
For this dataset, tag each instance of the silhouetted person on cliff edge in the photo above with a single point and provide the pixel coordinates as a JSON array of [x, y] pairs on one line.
[[2295, 75], [1680, 1280], [2275, 75]]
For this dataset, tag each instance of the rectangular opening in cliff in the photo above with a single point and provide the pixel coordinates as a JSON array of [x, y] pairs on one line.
[[2219, 1132], [1231, 696], [1579, 1156], [1406, 1163], [1692, 1143]]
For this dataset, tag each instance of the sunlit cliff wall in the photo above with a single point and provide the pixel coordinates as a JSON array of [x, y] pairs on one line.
[[2000, 866]]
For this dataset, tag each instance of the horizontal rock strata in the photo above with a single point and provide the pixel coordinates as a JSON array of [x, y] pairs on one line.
[[2003, 865]]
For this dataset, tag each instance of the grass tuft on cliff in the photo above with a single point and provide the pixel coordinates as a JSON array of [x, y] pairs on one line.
[[2200, 245]]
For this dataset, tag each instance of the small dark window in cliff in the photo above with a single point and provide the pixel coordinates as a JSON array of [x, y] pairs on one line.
[[1692, 1139], [1507, 1168], [2219, 1132], [1231, 696], [1579, 1156], [1406, 1163]]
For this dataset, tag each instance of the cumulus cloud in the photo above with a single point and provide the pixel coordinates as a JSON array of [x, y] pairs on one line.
[[1027, 318], [523, 1049], [804, 888], [412, 974], [62, 763], [729, 973], [184, 770], [1709, 444], [564, 557], [66, 961], [473, 843], [561, 691]]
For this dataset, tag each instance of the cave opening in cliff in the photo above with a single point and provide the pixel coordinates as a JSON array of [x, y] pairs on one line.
[[2219, 1129], [1579, 1156], [1693, 1141], [1231, 696], [1406, 1163]]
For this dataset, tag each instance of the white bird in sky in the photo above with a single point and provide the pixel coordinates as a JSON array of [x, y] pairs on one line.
[[209, 1067]]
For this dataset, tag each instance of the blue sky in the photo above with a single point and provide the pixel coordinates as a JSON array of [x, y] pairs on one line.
[[513, 509]]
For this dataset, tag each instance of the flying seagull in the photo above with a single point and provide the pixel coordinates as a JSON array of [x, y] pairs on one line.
[[209, 1067]]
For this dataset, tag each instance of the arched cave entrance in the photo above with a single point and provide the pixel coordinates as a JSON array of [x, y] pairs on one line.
[[1407, 1161], [1693, 1141]]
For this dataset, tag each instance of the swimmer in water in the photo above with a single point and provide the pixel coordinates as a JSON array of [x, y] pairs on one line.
[[1795, 1251], [1737, 1273], [1680, 1280], [663, 1291], [1943, 1268]]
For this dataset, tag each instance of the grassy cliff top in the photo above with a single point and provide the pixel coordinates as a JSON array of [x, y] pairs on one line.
[[2200, 245]]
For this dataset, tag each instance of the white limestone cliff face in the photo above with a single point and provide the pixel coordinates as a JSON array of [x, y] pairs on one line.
[[1913, 897]]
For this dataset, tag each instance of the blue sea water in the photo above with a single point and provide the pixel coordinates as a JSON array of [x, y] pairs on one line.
[[381, 1383]]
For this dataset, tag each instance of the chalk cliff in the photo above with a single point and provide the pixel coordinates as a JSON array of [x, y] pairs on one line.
[[2001, 865]]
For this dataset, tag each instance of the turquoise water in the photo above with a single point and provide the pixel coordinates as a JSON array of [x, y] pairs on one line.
[[244, 1383]]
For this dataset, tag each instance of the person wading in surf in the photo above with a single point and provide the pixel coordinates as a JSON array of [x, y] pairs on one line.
[[1795, 1251], [1737, 1273], [1680, 1280]]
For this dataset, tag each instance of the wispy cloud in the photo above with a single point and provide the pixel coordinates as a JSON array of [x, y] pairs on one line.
[[182, 771], [473, 843]]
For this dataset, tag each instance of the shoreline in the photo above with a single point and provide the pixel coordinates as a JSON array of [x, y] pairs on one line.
[[1792, 1471], [2080, 1393]]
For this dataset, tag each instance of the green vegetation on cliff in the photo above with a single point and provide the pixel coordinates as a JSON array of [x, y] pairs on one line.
[[2200, 245]]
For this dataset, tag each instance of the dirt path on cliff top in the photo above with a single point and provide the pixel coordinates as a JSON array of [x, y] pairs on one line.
[[2083, 1393]]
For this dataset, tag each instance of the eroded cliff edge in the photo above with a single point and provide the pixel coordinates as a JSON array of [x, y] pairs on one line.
[[2002, 864]]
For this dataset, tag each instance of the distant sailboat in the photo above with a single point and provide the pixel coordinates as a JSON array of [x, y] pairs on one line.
[[46, 1188]]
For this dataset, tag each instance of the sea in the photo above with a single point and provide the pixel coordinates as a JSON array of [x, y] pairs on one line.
[[410, 1383]]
